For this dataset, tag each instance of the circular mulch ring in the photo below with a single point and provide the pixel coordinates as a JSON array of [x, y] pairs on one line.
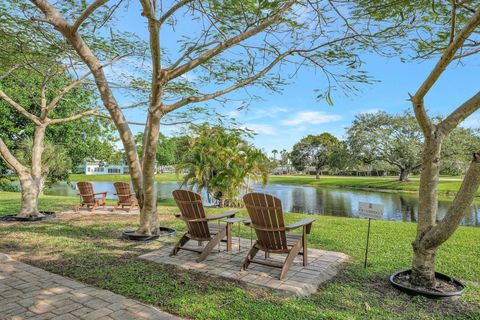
[[14, 218], [164, 232], [448, 288]]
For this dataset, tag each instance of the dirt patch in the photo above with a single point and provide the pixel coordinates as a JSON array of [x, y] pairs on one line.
[[381, 288], [442, 286]]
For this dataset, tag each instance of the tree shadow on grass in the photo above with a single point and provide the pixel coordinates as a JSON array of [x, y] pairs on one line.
[[194, 295]]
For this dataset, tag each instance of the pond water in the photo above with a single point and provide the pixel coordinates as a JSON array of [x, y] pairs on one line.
[[310, 200]]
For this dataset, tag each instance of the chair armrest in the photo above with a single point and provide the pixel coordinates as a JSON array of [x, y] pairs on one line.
[[305, 222], [229, 214], [247, 222], [96, 193], [179, 216]]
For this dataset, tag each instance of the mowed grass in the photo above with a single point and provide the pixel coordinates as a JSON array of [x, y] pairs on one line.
[[448, 186], [87, 248]]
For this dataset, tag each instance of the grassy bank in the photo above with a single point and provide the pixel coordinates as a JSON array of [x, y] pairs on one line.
[[447, 186], [87, 248]]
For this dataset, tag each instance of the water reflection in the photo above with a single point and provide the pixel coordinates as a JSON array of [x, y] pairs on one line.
[[321, 201]]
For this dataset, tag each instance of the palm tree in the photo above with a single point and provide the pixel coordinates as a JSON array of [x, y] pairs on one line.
[[221, 162], [275, 152]]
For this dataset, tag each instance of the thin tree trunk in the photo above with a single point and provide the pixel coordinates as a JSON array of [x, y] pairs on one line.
[[423, 264], [149, 223], [317, 174]]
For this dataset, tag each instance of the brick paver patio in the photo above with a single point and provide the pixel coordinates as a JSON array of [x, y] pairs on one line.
[[107, 210], [27, 292], [300, 281]]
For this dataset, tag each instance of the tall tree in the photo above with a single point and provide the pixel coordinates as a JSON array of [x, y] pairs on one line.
[[233, 44], [275, 152], [461, 42], [395, 139], [314, 151], [35, 93], [447, 32]]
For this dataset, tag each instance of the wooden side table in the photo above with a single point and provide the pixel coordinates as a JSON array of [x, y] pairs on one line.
[[230, 222]]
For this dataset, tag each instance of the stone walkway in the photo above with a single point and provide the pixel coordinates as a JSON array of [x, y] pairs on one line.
[[300, 281], [27, 292]]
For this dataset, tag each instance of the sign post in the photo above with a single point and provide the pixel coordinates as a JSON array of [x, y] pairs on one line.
[[369, 211]]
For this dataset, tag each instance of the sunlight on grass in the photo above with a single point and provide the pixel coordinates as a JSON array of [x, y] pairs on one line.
[[88, 248]]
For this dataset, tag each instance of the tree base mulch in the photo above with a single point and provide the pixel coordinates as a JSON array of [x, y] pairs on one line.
[[164, 232], [47, 215], [446, 287]]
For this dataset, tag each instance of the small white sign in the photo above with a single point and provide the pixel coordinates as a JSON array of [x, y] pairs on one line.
[[370, 210]]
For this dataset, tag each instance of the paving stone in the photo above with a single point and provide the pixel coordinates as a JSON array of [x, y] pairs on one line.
[[44, 295], [300, 281], [98, 313]]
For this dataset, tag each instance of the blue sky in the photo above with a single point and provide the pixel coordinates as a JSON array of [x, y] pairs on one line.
[[281, 119]]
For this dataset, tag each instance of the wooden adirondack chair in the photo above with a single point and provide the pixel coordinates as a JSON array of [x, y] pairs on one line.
[[89, 198], [268, 222], [199, 229], [125, 196]]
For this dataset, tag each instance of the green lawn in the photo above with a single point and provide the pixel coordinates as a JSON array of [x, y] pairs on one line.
[[88, 249], [448, 185]]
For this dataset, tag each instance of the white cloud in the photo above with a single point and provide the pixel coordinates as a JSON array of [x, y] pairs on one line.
[[271, 112], [260, 128], [256, 113], [311, 117]]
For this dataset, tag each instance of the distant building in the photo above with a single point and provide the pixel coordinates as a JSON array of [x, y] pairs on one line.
[[100, 167]]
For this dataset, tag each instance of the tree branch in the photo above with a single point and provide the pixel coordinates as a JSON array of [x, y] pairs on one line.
[[10, 159], [158, 78], [9, 71], [90, 10], [466, 54], [76, 83], [74, 117], [460, 114], [20, 109], [443, 62], [172, 10], [229, 43], [237, 85], [453, 21], [464, 198]]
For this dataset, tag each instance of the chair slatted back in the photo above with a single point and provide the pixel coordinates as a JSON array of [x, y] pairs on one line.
[[266, 214], [124, 192], [86, 191], [191, 208]]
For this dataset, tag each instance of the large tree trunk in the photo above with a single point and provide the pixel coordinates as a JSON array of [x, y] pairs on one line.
[[404, 173], [32, 182], [30, 192], [423, 264], [317, 174]]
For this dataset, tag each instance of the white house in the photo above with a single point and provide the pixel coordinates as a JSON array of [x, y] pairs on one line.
[[100, 167]]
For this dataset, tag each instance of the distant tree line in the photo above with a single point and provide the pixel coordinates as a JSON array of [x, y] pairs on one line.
[[381, 142]]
